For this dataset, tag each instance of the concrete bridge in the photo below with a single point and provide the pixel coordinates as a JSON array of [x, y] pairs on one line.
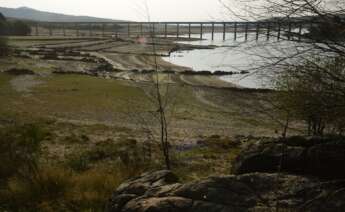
[[268, 30]]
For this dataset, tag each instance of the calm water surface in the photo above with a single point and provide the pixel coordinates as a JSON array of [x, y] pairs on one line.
[[232, 56]]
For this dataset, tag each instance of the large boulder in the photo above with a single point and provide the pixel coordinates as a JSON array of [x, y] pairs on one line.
[[324, 158], [269, 155], [248, 192]]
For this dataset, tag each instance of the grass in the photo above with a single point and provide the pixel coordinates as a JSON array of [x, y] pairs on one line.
[[30, 182], [75, 96], [212, 156]]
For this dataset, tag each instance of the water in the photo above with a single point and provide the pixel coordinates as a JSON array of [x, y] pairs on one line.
[[233, 56]]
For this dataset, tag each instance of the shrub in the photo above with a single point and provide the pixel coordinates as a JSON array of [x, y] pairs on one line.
[[314, 92], [4, 50], [19, 149], [45, 190], [92, 189], [17, 28]]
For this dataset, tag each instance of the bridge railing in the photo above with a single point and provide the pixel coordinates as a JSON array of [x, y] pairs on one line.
[[235, 30]]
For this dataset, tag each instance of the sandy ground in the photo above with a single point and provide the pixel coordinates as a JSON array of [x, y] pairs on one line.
[[204, 104]]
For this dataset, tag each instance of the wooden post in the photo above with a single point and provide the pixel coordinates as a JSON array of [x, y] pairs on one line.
[[165, 30], [212, 31], [268, 31], [279, 31], [246, 32], [235, 31], [129, 30], [189, 30], [201, 30], [178, 30], [257, 30]]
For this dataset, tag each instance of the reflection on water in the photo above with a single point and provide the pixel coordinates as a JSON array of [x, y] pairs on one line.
[[232, 56]]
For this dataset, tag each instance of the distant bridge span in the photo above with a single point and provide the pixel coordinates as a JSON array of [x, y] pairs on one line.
[[279, 30]]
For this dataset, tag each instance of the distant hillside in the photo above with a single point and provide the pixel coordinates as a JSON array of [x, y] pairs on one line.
[[36, 15]]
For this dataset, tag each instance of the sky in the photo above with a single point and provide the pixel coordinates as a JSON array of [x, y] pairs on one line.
[[134, 10]]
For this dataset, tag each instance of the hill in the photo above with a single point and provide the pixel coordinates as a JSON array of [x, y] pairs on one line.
[[36, 15]]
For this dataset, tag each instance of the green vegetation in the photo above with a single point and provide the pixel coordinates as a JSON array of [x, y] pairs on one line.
[[90, 133], [314, 93], [30, 182], [212, 155], [15, 27], [3, 47]]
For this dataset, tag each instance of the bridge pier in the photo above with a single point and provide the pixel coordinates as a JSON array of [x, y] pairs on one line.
[[268, 31], [116, 31], [289, 31], [212, 31], [165, 30], [76, 30], [224, 30], [235, 31], [128, 30], [178, 30], [189, 30], [300, 32], [50, 31], [246, 32], [201, 30], [257, 31], [36, 29], [279, 31]]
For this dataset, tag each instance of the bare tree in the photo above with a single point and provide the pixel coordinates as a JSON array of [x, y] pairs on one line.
[[308, 71]]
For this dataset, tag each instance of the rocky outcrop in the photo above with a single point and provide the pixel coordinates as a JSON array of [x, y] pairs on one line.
[[311, 178], [324, 158], [160, 191]]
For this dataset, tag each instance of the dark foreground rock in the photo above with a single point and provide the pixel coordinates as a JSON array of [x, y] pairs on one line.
[[323, 158], [161, 191]]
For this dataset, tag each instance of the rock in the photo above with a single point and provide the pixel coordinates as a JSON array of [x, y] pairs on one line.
[[139, 186], [326, 160], [320, 157], [248, 192], [268, 156]]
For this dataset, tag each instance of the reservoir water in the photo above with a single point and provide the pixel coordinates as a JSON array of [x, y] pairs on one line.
[[232, 56]]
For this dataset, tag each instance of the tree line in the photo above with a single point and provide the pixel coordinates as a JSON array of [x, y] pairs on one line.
[[13, 27]]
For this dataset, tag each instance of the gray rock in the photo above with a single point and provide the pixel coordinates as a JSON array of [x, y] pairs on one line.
[[248, 192], [323, 158], [268, 156]]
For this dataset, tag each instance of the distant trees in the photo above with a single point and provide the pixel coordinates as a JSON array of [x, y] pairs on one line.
[[17, 28], [3, 46], [2, 17], [3, 40]]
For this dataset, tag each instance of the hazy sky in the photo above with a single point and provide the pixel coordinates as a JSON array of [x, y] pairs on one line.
[[160, 10]]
